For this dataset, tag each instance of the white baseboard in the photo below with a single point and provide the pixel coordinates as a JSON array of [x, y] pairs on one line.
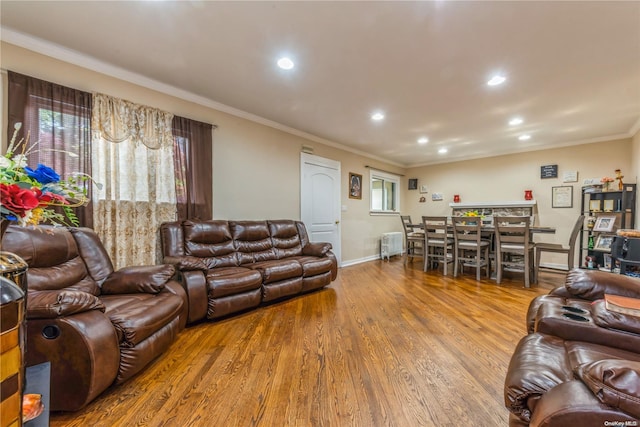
[[361, 260], [554, 266]]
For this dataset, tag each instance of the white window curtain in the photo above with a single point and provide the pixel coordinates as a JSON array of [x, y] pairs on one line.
[[132, 156]]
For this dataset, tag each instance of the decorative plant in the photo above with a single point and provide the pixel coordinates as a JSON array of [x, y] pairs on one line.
[[29, 196]]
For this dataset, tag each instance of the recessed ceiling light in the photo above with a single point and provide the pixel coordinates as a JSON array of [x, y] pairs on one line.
[[285, 63], [423, 140], [516, 121], [496, 80], [442, 151], [377, 116], [524, 137]]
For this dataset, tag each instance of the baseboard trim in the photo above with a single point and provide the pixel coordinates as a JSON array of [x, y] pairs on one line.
[[361, 260]]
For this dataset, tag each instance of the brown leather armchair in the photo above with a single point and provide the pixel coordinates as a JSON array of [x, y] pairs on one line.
[[96, 326], [580, 363]]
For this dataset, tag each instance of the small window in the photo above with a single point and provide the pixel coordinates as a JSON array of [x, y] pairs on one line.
[[385, 195]]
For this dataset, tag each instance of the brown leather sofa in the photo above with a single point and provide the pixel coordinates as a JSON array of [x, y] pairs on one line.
[[580, 363], [96, 326], [231, 266]]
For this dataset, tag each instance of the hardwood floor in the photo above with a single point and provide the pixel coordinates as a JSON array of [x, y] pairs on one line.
[[384, 345]]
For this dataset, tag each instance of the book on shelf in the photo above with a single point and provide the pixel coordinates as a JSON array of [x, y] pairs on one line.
[[624, 305]]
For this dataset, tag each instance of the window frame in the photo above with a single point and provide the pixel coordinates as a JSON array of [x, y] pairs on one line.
[[386, 177]]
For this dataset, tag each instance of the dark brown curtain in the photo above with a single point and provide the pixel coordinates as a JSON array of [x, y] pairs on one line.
[[58, 118], [193, 164]]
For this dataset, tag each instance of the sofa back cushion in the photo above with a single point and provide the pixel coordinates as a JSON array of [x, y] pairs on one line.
[[285, 238], [210, 240], [53, 258], [93, 253], [252, 241]]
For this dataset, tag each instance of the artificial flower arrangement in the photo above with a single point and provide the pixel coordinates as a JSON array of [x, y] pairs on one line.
[[472, 213], [606, 179], [28, 196]]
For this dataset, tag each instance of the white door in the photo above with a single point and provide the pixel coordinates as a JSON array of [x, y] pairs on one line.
[[320, 199]]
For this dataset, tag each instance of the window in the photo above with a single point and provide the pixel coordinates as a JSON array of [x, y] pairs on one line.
[[385, 196], [57, 120]]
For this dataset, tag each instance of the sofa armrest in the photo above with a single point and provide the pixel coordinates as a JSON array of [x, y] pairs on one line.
[[148, 279], [186, 263], [318, 249], [52, 304], [573, 404], [615, 382], [593, 284], [561, 291]]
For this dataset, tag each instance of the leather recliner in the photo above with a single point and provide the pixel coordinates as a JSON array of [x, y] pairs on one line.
[[580, 362], [96, 326]]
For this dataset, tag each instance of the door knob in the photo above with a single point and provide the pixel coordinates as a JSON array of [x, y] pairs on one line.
[[337, 221]]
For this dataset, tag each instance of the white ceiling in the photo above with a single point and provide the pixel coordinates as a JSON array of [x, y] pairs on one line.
[[572, 68]]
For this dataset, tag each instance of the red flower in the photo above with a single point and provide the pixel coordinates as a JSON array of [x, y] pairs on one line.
[[18, 200], [47, 198]]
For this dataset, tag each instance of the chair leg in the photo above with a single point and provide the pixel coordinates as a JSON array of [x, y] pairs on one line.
[[498, 267], [455, 262], [527, 266], [488, 267], [536, 271]]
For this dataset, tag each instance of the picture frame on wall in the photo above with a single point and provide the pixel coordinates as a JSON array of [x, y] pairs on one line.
[[355, 186], [562, 196], [605, 223], [413, 183]]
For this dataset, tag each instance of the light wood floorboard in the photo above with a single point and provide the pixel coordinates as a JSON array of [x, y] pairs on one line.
[[384, 345]]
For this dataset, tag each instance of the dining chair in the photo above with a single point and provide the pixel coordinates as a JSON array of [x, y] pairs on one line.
[[470, 249], [559, 249], [414, 238], [438, 242], [514, 248]]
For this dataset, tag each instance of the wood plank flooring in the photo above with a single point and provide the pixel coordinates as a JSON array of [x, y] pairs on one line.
[[384, 345]]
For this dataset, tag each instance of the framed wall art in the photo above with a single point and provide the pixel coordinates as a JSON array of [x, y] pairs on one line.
[[562, 196], [355, 186]]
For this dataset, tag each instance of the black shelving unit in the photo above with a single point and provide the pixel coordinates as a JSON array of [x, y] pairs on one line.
[[619, 205]]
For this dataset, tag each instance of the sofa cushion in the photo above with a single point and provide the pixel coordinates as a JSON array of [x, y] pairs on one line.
[[615, 382], [138, 316], [276, 270], [312, 266], [53, 258], [252, 241], [211, 241], [232, 280], [285, 238]]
